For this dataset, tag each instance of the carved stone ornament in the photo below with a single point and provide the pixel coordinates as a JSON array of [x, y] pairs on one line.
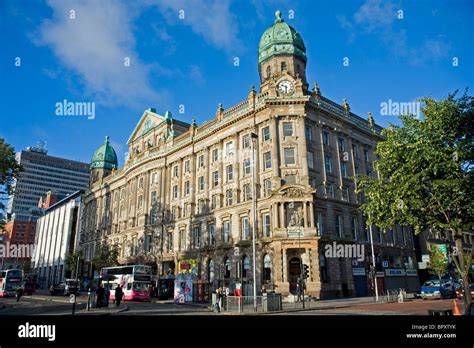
[[294, 192]]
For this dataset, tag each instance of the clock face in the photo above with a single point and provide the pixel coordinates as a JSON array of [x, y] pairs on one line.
[[285, 87]]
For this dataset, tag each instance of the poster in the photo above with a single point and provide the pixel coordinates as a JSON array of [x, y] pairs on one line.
[[189, 266], [183, 288]]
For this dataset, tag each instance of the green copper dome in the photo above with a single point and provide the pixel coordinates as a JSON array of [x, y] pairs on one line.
[[104, 157], [280, 39]]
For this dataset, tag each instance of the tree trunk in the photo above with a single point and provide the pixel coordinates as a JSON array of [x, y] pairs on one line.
[[464, 267]]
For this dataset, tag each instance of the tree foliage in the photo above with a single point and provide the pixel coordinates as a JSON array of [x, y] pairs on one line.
[[106, 256], [425, 174], [71, 261], [438, 263], [9, 170]]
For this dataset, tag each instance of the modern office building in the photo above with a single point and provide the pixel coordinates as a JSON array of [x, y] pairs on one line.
[[42, 173], [55, 238]]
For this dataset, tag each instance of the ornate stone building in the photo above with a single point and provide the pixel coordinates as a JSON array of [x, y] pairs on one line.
[[186, 190]]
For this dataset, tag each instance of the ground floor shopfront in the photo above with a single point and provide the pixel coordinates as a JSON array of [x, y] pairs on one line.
[[280, 262]]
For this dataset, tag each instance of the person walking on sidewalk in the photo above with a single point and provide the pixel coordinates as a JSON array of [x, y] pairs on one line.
[[118, 295], [100, 295], [218, 299], [298, 291], [19, 293]]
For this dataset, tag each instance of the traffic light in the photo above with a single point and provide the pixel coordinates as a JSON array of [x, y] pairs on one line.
[[305, 271]]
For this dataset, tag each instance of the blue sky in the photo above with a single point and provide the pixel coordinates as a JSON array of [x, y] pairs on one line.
[[190, 61]]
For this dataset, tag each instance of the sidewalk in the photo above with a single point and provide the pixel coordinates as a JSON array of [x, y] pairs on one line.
[[192, 304], [328, 304], [103, 310]]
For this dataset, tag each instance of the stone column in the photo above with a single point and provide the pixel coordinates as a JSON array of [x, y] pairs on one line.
[[323, 156], [305, 215], [302, 150], [275, 221], [282, 215], [311, 214], [274, 137]]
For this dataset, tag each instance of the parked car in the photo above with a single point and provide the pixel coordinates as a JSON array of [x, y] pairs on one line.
[[437, 289], [67, 287], [460, 292], [417, 294]]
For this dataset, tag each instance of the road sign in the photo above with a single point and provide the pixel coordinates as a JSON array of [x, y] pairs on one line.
[[385, 264], [72, 298]]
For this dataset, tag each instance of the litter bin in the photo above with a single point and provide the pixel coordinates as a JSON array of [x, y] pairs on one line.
[[272, 302]]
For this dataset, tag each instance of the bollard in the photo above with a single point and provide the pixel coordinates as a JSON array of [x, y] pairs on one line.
[[88, 300]]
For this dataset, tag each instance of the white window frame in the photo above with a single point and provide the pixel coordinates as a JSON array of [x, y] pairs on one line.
[[285, 129], [286, 151], [245, 228], [267, 157]]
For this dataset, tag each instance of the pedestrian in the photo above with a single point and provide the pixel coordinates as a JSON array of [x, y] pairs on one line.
[[51, 290], [118, 295], [107, 295], [298, 291], [19, 293], [218, 300], [100, 295]]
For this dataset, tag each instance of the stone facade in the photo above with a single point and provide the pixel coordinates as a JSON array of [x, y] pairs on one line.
[[186, 190]]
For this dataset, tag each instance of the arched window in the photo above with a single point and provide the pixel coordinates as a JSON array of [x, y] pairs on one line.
[[269, 71], [210, 270], [283, 66], [227, 268], [245, 266], [267, 269]]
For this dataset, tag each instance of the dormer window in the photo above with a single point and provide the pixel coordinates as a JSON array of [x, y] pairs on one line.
[[283, 67]]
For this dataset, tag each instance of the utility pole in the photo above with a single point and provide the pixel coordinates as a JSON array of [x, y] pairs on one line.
[[254, 138], [77, 268], [301, 266], [373, 264]]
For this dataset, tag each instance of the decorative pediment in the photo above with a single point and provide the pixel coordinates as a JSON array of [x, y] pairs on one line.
[[295, 191], [148, 121]]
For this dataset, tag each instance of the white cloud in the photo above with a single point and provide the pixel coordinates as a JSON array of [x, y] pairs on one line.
[[375, 14], [266, 8], [119, 150], [196, 75], [211, 19], [378, 18], [94, 45]]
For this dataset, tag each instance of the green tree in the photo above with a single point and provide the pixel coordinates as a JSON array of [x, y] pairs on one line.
[[9, 171], [438, 262], [106, 256], [71, 261], [425, 177]]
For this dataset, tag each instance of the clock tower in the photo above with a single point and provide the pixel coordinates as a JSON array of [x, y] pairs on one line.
[[282, 60]]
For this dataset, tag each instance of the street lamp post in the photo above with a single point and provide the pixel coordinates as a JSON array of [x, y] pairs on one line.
[[301, 266], [254, 138], [373, 264]]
